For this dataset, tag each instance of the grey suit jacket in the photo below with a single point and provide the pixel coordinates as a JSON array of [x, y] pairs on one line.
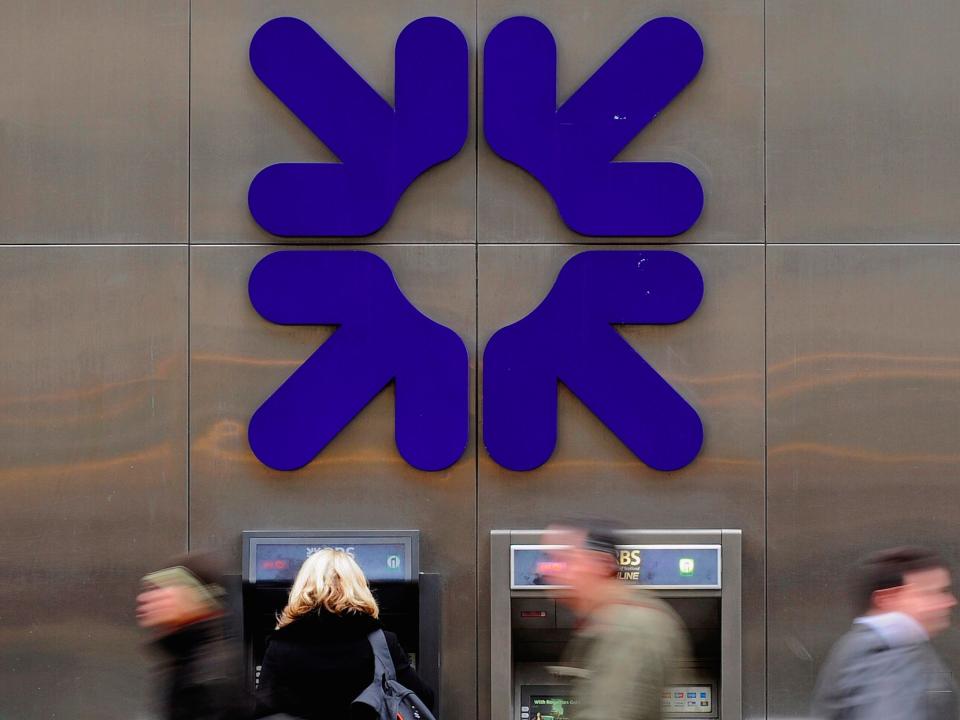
[[868, 678]]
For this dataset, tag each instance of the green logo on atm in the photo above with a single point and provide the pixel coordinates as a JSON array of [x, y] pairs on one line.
[[686, 567]]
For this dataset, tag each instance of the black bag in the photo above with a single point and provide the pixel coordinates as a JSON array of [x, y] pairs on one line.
[[389, 699]]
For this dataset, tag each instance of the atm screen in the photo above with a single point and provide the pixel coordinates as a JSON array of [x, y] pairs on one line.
[[680, 567], [276, 558], [550, 707], [382, 561]]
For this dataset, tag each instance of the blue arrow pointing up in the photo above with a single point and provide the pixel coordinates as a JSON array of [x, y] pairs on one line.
[[570, 150], [381, 337], [382, 149], [569, 338]]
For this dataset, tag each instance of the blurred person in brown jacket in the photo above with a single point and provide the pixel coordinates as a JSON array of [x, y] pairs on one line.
[[183, 605], [628, 643]]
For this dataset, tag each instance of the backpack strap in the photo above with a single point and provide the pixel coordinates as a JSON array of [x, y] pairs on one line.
[[383, 671], [372, 696], [381, 654]]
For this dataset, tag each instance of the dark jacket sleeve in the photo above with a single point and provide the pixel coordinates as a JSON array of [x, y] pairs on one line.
[[406, 674], [212, 692], [265, 685], [212, 701]]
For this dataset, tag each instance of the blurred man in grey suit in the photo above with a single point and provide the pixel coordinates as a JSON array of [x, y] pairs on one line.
[[884, 668]]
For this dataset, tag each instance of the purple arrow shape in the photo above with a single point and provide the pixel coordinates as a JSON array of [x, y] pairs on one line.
[[382, 149], [569, 337], [381, 337], [570, 150]]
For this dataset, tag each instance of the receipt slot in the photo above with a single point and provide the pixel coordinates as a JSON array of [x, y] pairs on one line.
[[409, 600], [696, 571]]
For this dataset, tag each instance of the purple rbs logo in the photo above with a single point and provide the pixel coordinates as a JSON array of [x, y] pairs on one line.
[[382, 338], [570, 338], [570, 150], [382, 149]]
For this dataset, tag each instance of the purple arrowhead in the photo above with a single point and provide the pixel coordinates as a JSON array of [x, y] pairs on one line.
[[382, 337], [571, 150], [382, 149], [569, 338]]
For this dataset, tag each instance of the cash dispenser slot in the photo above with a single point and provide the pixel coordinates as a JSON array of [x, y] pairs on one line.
[[409, 600], [696, 571]]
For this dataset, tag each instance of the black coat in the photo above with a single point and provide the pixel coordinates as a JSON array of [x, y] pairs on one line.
[[317, 665], [199, 674]]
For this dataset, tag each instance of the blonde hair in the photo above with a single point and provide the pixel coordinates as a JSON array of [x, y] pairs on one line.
[[329, 580]]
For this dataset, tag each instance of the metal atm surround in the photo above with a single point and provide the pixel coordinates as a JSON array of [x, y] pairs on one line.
[[409, 603], [505, 599]]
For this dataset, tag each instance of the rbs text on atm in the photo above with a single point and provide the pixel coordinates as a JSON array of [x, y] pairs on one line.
[[382, 337]]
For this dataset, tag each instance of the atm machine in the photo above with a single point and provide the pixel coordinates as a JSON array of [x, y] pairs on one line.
[[409, 600], [696, 571]]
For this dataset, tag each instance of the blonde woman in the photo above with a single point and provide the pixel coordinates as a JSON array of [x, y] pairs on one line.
[[318, 660]]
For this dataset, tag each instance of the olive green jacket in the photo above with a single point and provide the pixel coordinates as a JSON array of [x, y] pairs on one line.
[[622, 657]]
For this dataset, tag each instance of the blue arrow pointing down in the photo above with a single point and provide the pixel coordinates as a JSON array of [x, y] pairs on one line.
[[571, 150], [382, 149]]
